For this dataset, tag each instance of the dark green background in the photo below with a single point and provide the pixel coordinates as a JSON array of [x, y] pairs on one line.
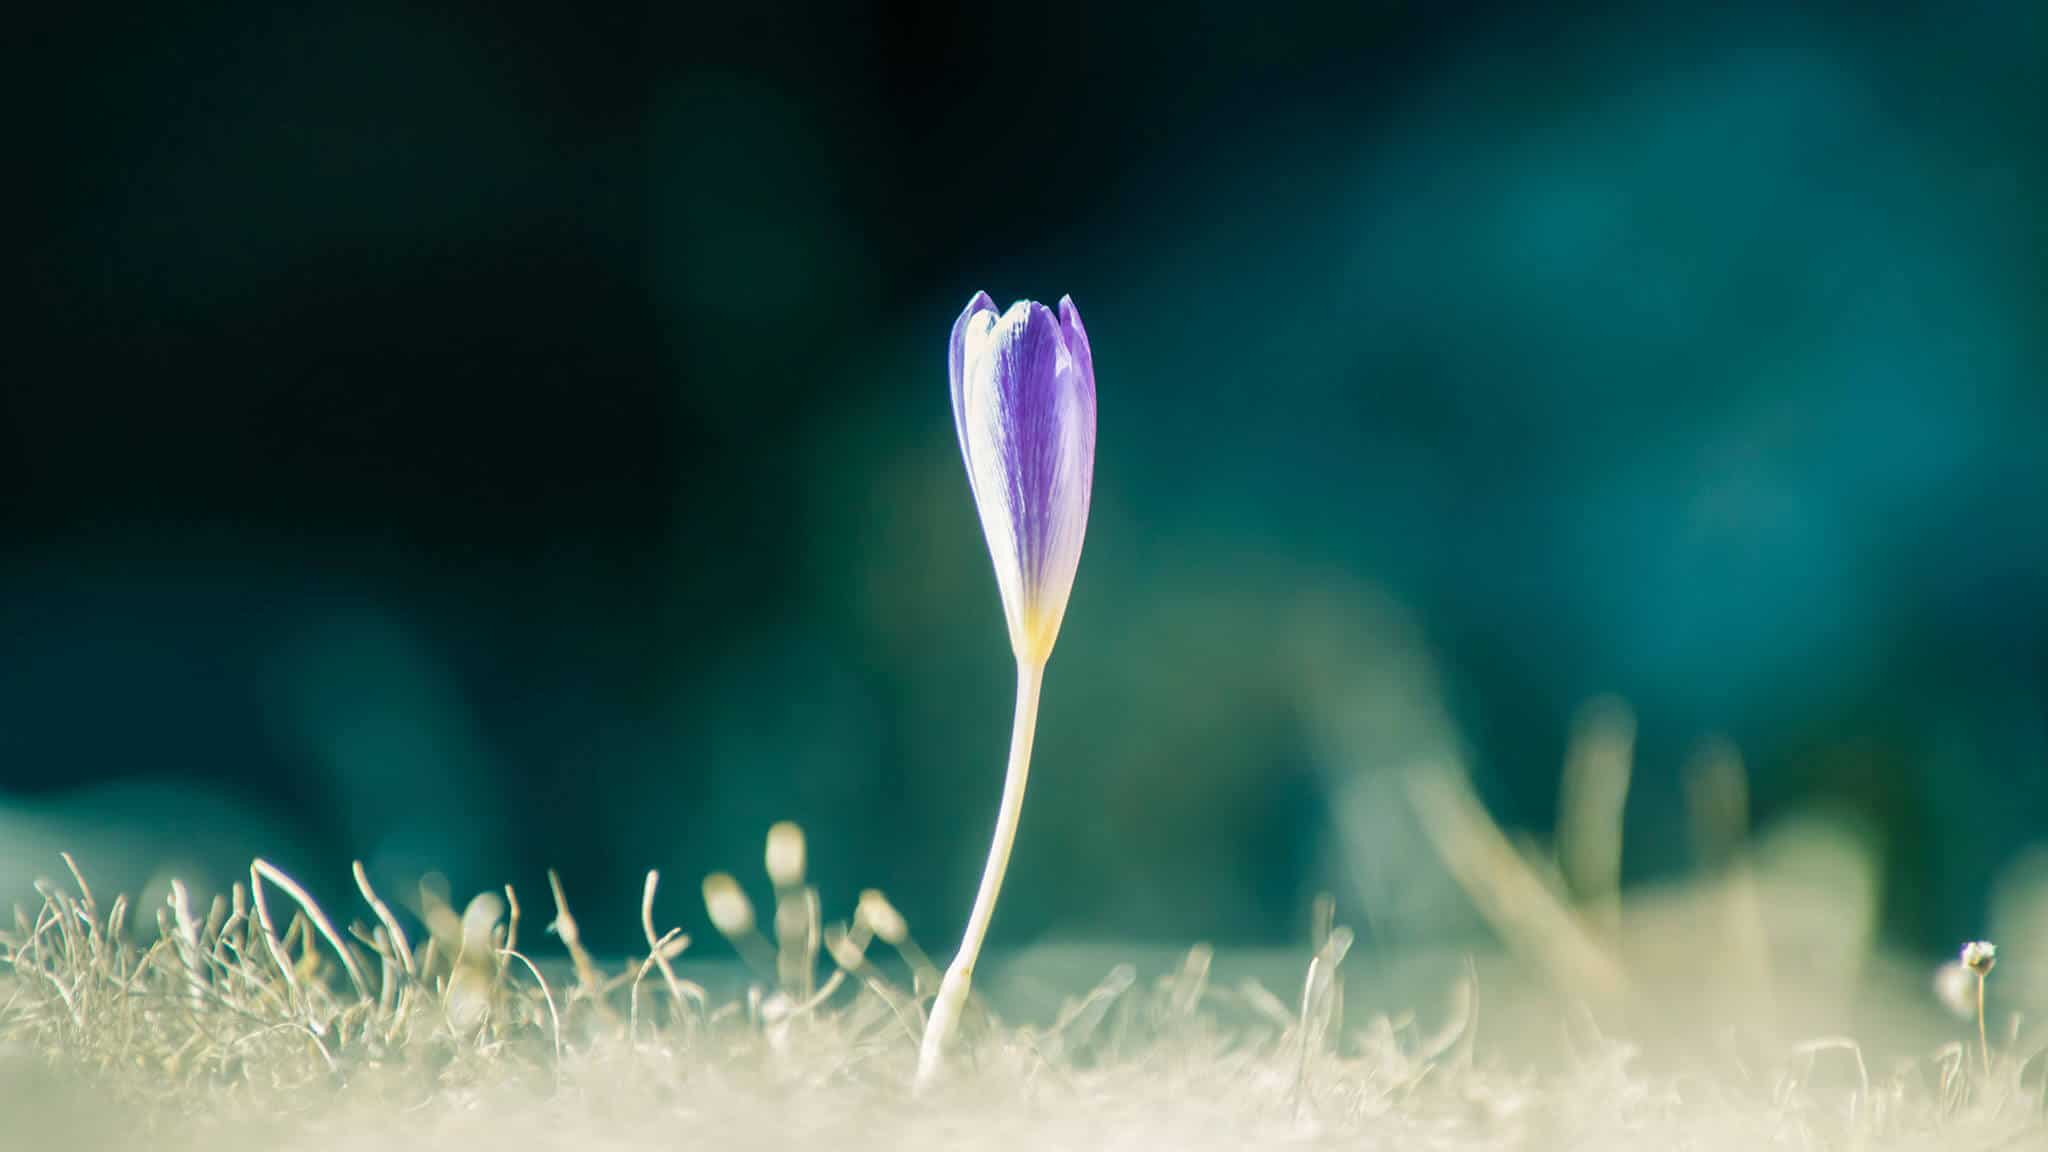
[[492, 438]]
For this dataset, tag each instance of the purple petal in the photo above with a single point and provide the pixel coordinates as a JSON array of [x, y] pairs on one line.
[[956, 364], [1028, 426], [1077, 340]]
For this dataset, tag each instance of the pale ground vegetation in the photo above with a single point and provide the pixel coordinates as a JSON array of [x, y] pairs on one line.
[[1744, 1010]]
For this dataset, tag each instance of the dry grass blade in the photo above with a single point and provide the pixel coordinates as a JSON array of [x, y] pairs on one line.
[[661, 949], [554, 1017], [261, 870], [400, 946], [589, 981], [1501, 886]]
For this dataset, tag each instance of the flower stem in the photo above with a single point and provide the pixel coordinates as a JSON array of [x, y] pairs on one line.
[[1983, 1040], [960, 974]]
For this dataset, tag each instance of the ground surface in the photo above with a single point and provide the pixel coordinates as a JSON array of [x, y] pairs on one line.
[[1187, 1051]]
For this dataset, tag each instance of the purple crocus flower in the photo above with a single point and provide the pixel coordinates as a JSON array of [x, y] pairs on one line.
[[1024, 406]]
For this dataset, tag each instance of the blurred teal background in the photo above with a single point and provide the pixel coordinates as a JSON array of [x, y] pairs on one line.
[[492, 439]]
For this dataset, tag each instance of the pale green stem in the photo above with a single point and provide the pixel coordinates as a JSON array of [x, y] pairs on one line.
[[953, 989]]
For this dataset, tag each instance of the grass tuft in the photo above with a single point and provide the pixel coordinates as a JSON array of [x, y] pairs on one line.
[[242, 1028]]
